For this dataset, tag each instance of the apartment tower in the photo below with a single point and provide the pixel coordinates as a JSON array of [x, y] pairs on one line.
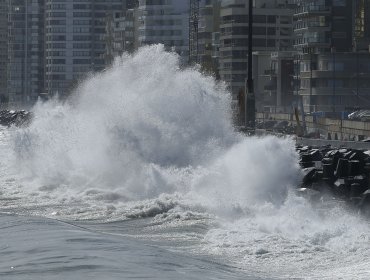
[[25, 51]]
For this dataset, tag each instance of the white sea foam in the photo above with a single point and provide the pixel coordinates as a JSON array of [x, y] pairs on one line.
[[146, 138], [123, 126]]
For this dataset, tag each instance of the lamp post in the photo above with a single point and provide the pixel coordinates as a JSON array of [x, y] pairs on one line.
[[250, 101]]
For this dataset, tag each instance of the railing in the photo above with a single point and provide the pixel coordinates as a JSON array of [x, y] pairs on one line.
[[310, 9], [270, 72], [304, 25], [331, 128]]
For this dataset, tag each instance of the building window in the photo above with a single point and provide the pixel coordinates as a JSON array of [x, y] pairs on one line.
[[339, 3]]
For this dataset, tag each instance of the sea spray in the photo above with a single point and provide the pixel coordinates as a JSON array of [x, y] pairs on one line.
[[254, 171], [141, 112], [145, 127], [147, 139]]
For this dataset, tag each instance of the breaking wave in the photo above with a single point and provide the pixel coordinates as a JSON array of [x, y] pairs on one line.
[[148, 139]]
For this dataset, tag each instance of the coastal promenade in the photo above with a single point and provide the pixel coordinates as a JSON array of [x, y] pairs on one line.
[[327, 128]]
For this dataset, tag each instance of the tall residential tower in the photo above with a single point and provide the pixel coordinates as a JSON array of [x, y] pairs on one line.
[[272, 31], [75, 40], [3, 50], [333, 61], [164, 22], [25, 50]]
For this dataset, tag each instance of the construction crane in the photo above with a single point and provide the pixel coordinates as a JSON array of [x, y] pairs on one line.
[[193, 31]]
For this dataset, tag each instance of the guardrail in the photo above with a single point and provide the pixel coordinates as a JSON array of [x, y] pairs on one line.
[[320, 142], [334, 143]]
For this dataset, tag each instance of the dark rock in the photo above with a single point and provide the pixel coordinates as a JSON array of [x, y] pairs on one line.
[[319, 174], [306, 157], [357, 155], [327, 160], [307, 164], [355, 201], [341, 187], [365, 203], [347, 155], [332, 153], [309, 175], [308, 193], [328, 171], [367, 169], [336, 156], [361, 180], [318, 164], [18, 118], [355, 168], [357, 190], [305, 149], [344, 173], [316, 155], [342, 169], [323, 187]]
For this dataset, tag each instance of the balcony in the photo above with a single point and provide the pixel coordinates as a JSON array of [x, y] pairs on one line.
[[304, 26], [328, 74], [312, 10], [327, 91], [312, 41], [270, 72]]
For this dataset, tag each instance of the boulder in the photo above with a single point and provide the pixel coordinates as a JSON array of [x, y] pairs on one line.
[[308, 193], [309, 175], [342, 169], [341, 187], [365, 203], [355, 168], [328, 171], [357, 190]]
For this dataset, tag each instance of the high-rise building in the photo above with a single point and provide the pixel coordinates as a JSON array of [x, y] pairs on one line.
[[25, 50], [121, 33], [75, 40], [101, 10], [361, 26], [278, 89], [3, 50], [208, 29], [131, 30], [332, 65], [272, 31], [321, 25], [164, 22]]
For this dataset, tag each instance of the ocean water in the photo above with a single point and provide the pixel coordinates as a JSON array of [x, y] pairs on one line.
[[140, 174]]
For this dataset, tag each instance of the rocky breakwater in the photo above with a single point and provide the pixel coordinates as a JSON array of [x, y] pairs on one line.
[[18, 118], [341, 174]]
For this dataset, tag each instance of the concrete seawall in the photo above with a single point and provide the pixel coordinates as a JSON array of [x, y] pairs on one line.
[[329, 128], [334, 143], [320, 142]]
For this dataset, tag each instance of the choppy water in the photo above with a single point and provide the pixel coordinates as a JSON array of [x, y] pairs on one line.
[[141, 175], [38, 248]]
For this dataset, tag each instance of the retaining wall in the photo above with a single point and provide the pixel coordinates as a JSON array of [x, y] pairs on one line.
[[330, 128]]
